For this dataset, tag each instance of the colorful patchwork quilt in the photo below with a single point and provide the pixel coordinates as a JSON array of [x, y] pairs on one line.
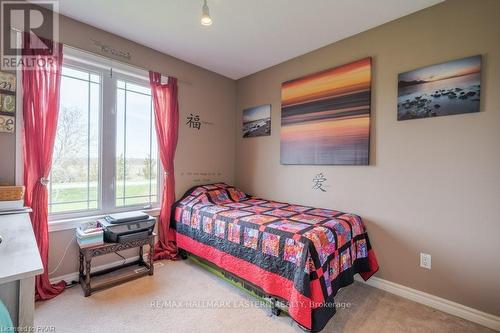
[[301, 254]]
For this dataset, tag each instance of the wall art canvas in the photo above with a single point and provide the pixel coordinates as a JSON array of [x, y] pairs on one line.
[[257, 121], [7, 103], [7, 82], [325, 117], [444, 89], [7, 93], [7, 124]]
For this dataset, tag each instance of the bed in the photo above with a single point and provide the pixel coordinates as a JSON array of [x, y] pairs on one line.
[[302, 255]]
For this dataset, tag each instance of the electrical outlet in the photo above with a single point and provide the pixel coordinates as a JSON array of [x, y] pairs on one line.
[[425, 260]]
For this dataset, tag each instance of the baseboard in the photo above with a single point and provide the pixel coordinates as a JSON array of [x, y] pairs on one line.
[[69, 278], [438, 303]]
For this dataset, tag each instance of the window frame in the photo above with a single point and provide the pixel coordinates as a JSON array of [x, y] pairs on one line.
[[110, 72]]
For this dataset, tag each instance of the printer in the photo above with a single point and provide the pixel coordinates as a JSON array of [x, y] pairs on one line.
[[125, 227]]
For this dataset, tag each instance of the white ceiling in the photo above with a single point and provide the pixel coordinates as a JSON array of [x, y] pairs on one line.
[[247, 35]]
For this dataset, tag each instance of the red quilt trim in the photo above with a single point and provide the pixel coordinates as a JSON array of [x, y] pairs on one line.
[[372, 259], [300, 307]]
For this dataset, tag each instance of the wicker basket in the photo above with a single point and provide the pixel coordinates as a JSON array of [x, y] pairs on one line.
[[11, 193]]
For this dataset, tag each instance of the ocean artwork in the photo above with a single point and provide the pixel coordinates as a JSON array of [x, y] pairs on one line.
[[445, 89], [325, 117], [257, 121]]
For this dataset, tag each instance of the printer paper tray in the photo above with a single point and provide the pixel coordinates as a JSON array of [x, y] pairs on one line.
[[132, 237]]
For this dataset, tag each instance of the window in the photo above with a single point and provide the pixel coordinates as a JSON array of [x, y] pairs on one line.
[[136, 165], [74, 177], [105, 155]]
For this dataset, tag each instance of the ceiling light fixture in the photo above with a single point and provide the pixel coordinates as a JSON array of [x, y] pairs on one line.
[[205, 14]]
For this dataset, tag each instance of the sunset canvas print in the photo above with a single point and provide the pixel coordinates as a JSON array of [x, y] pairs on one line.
[[325, 117], [445, 89]]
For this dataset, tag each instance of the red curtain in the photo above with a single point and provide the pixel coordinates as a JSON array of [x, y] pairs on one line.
[[166, 110], [41, 84]]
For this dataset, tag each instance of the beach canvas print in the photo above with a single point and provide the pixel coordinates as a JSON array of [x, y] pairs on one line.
[[445, 89], [325, 117], [257, 121]]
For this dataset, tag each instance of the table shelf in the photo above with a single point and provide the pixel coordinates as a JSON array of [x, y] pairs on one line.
[[88, 278]]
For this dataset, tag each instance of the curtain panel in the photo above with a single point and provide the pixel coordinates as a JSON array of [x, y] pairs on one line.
[[41, 85], [166, 109]]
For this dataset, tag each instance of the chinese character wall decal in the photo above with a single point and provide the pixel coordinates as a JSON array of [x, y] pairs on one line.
[[193, 121], [318, 181]]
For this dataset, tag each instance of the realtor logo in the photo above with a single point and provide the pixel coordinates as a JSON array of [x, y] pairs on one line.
[[40, 20]]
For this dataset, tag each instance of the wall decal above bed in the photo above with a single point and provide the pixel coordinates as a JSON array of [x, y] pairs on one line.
[[257, 121], [444, 89], [199, 177], [325, 117], [318, 182]]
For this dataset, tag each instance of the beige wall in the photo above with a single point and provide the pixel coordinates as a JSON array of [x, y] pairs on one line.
[[211, 149], [433, 184], [8, 158]]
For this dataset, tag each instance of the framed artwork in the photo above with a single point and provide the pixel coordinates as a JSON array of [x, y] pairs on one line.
[[444, 89], [7, 82], [257, 121], [7, 103], [325, 117], [7, 124], [7, 93]]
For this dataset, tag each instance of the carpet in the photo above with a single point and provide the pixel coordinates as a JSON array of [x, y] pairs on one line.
[[183, 297]]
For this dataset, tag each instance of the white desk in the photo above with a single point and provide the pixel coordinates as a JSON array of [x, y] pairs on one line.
[[20, 262]]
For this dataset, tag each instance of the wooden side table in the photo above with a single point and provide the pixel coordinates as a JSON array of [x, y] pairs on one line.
[[86, 255]]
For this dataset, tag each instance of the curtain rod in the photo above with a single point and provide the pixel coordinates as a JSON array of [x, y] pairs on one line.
[[189, 83]]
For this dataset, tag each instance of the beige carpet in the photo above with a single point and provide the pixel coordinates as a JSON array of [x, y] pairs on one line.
[[167, 301]]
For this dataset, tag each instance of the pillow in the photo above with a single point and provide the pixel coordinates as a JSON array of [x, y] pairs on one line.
[[236, 194], [221, 193], [219, 196]]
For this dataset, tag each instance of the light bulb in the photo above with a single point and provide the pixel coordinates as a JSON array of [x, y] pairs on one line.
[[205, 15], [206, 20]]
